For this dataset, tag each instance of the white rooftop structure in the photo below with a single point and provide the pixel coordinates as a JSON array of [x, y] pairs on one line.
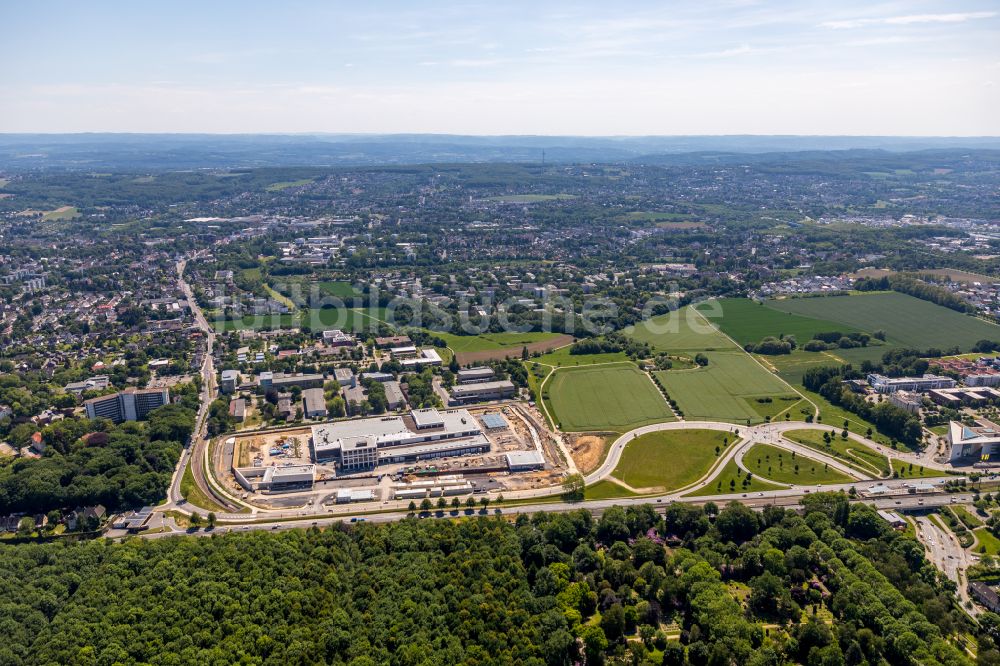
[[330, 438], [523, 460], [427, 418]]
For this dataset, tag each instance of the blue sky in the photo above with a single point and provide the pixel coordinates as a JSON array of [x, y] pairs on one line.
[[918, 68]]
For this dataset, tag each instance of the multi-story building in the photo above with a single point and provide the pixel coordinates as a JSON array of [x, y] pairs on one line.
[[466, 393], [230, 380], [423, 434], [884, 384], [127, 405]]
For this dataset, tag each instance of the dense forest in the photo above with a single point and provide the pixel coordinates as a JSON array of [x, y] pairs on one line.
[[696, 586], [127, 466]]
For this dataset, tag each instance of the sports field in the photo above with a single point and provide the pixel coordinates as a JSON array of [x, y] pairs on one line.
[[748, 321], [726, 389], [907, 321], [670, 459], [605, 397], [774, 464], [681, 330], [339, 289]]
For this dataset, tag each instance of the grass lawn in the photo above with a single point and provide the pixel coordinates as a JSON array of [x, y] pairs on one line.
[[910, 471], [488, 341], [252, 274], [971, 520], [682, 330], [318, 319], [670, 459], [338, 289], [849, 452], [783, 466], [748, 321], [61, 213], [733, 480], [987, 543], [903, 318], [777, 407], [606, 490], [284, 185], [281, 298], [725, 390], [607, 398], [193, 494], [562, 358]]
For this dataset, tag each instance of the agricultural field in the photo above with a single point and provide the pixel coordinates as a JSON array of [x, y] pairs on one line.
[[726, 390], [907, 321], [775, 464], [607, 398], [670, 459], [851, 453], [748, 321], [490, 341], [682, 330], [562, 358], [733, 479]]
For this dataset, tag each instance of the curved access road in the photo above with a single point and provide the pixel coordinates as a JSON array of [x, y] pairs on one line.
[[768, 433]]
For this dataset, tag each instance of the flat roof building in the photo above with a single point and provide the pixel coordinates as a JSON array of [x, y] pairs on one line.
[[884, 384], [128, 405], [494, 421], [426, 357], [230, 379], [345, 377], [362, 443], [482, 391], [521, 461], [474, 375], [394, 396]]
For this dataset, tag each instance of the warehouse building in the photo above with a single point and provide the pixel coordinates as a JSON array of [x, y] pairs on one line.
[[483, 391], [313, 403], [238, 409], [423, 434]]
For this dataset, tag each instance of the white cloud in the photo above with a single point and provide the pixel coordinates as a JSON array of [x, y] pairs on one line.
[[910, 19]]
